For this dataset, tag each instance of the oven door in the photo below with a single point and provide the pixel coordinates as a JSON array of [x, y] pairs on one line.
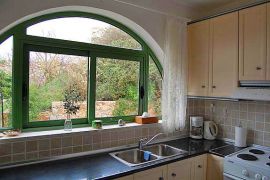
[[230, 177]]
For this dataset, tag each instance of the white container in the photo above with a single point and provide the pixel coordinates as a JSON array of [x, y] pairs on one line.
[[240, 137]]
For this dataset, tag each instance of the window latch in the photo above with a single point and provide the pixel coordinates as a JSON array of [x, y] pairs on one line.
[[141, 92], [24, 92]]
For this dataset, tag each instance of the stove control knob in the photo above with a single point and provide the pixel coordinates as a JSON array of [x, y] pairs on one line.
[[245, 172], [265, 178], [258, 177]]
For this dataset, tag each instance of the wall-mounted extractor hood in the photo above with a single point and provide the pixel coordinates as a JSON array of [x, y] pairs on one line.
[[257, 84], [253, 90]]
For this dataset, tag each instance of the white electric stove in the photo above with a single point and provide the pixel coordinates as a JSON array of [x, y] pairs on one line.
[[252, 163]]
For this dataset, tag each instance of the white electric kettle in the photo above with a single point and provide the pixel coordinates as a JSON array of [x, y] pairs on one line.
[[210, 130]]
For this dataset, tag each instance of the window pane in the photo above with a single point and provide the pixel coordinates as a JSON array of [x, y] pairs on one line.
[[52, 78], [154, 89], [6, 56], [117, 87], [84, 30]]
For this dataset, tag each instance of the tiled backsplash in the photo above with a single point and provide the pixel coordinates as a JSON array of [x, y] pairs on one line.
[[254, 115], [48, 146]]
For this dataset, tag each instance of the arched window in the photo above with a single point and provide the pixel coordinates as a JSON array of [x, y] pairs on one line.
[[100, 64]]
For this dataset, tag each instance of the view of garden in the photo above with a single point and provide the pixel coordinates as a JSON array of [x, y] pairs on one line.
[[53, 75]]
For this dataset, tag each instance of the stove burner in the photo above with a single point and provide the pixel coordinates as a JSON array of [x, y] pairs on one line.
[[268, 164], [256, 151], [247, 157]]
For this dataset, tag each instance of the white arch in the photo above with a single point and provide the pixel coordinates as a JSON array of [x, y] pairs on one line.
[[117, 17]]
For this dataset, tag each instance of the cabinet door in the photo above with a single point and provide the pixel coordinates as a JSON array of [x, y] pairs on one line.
[[214, 167], [130, 177], [180, 170], [252, 43], [268, 42], [199, 166], [223, 65], [159, 173], [198, 57]]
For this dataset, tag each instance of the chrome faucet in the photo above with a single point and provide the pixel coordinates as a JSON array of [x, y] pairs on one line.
[[142, 142]]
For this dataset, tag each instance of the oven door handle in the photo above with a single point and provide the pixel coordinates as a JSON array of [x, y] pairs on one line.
[[230, 177]]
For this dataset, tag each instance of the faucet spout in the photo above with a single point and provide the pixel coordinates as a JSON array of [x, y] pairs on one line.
[[142, 142]]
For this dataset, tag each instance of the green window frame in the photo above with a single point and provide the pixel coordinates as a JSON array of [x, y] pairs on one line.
[[23, 44]]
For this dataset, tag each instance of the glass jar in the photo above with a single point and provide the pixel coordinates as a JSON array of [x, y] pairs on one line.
[[68, 123]]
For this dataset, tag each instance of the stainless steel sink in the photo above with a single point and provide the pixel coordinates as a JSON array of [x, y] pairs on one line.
[[164, 150], [133, 157]]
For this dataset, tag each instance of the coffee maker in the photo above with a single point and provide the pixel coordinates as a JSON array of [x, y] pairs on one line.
[[196, 127]]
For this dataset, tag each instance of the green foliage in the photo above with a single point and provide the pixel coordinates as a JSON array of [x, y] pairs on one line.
[[5, 84], [72, 96], [41, 97]]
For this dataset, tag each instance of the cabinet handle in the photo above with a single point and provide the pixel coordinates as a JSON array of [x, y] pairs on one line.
[[203, 86], [199, 166], [258, 68], [160, 178], [173, 174], [214, 87]]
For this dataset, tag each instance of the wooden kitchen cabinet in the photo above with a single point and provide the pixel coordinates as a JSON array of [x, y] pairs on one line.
[[213, 43], [180, 170], [252, 43], [268, 43], [223, 63], [199, 167], [130, 177], [214, 167], [189, 169], [159, 173], [198, 57]]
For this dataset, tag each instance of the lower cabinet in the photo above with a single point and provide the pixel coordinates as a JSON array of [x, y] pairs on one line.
[[203, 167], [180, 170], [130, 177], [159, 173], [214, 167]]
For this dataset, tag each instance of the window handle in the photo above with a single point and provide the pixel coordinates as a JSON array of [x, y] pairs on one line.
[[141, 92], [24, 92]]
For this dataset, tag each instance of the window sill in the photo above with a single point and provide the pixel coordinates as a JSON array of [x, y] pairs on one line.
[[39, 134]]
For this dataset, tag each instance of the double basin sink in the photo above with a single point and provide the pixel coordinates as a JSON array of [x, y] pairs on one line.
[[134, 157]]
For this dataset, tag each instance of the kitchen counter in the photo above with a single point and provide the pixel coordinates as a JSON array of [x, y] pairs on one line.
[[103, 166]]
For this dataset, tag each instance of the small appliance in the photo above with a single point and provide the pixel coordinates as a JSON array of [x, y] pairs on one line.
[[196, 127], [252, 163], [210, 130]]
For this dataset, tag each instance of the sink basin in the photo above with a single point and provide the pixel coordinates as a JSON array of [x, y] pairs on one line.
[[132, 157], [164, 150]]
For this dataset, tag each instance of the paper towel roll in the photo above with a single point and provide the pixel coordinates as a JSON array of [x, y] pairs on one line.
[[240, 137]]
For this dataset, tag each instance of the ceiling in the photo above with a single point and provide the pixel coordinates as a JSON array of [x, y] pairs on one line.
[[213, 4]]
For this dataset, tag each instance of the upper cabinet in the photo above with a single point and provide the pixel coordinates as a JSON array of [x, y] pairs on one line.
[[223, 56], [198, 58], [213, 56], [252, 43]]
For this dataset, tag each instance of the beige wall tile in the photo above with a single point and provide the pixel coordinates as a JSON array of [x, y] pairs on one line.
[[32, 156], [56, 152], [44, 144], [44, 154], [5, 149], [5, 159], [77, 149], [56, 142], [18, 147], [66, 141], [31, 146], [66, 150], [77, 140], [87, 139], [87, 147], [18, 157]]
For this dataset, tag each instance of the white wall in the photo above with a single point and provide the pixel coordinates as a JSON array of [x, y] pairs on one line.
[[145, 17]]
